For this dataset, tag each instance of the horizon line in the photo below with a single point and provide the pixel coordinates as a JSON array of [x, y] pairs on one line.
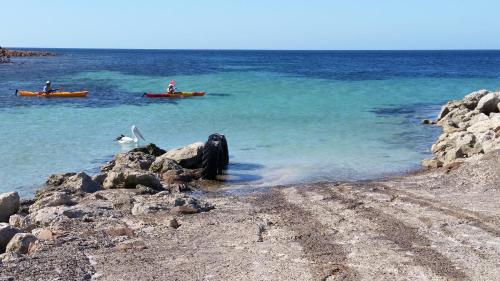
[[229, 49]]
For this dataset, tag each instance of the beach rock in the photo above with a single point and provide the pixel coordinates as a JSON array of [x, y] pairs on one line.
[[52, 199], [428, 122], [488, 103], [22, 222], [431, 163], [135, 160], [71, 183], [151, 149], [485, 124], [476, 96], [99, 178], [142, 189], [43, 234], [21, 243], [188, 157], [180, 210], [130, 179], [6, 233], [9, 205], [163, 164], [144, 208]]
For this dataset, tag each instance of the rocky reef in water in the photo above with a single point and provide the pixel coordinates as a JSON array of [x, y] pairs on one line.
[[471, 128], [6, 54]]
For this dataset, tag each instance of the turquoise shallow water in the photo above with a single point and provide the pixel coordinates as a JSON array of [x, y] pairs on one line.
[[281, 128]]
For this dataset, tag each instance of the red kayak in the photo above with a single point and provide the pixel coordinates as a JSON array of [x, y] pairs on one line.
[[175, 95]]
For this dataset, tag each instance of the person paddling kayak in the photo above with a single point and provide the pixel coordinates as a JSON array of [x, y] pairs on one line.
[[47, 89], [171, 88]]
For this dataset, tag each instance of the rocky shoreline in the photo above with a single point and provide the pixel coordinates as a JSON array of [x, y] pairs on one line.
[[144, 218], [6, 55]]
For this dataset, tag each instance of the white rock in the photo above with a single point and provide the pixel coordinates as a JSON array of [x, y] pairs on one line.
[[9, 205], [188, 157], [488, 103]]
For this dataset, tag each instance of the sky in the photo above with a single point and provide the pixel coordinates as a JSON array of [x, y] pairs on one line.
[[252, 24]]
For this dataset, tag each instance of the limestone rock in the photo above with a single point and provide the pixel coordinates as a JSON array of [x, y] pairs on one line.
[[21, 243], [43, 234], [488, 103], [6, 233], [147, 208], [163, 164], [476, 96], [136, 160], [22, 222], [188, 157], [53, 199], [130, 179], [9, 205], [70, 183]]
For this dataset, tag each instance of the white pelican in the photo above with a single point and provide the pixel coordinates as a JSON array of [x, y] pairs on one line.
[[128, 140]]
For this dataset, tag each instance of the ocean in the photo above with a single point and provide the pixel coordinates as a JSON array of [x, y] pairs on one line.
[[289, 116]]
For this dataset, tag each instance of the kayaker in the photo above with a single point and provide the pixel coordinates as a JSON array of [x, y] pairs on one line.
[[47, 88], [171, 88]]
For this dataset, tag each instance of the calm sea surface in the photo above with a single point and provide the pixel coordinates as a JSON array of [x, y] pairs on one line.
[[289, 116]]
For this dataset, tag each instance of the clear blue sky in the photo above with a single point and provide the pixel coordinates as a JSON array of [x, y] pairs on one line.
[[252, 24]]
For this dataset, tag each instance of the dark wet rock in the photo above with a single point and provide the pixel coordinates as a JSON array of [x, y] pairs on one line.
[[9, 205], [428, 122], [7, 231], [173, 223], [21, 243], [151, 149], [99, 178], [130, 179]]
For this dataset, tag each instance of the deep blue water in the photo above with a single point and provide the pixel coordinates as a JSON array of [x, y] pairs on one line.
[[290, 116]]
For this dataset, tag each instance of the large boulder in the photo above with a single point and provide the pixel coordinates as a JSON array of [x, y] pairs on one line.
[[71, 183], [7, 231], [21, 243], [188, 157], [485, 124], [488, 103], [130, 179], [9, 205]]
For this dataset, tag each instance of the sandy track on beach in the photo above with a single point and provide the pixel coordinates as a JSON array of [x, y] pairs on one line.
[[441, 225]]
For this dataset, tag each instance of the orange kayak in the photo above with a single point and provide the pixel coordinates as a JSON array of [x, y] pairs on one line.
[[79, 94]]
